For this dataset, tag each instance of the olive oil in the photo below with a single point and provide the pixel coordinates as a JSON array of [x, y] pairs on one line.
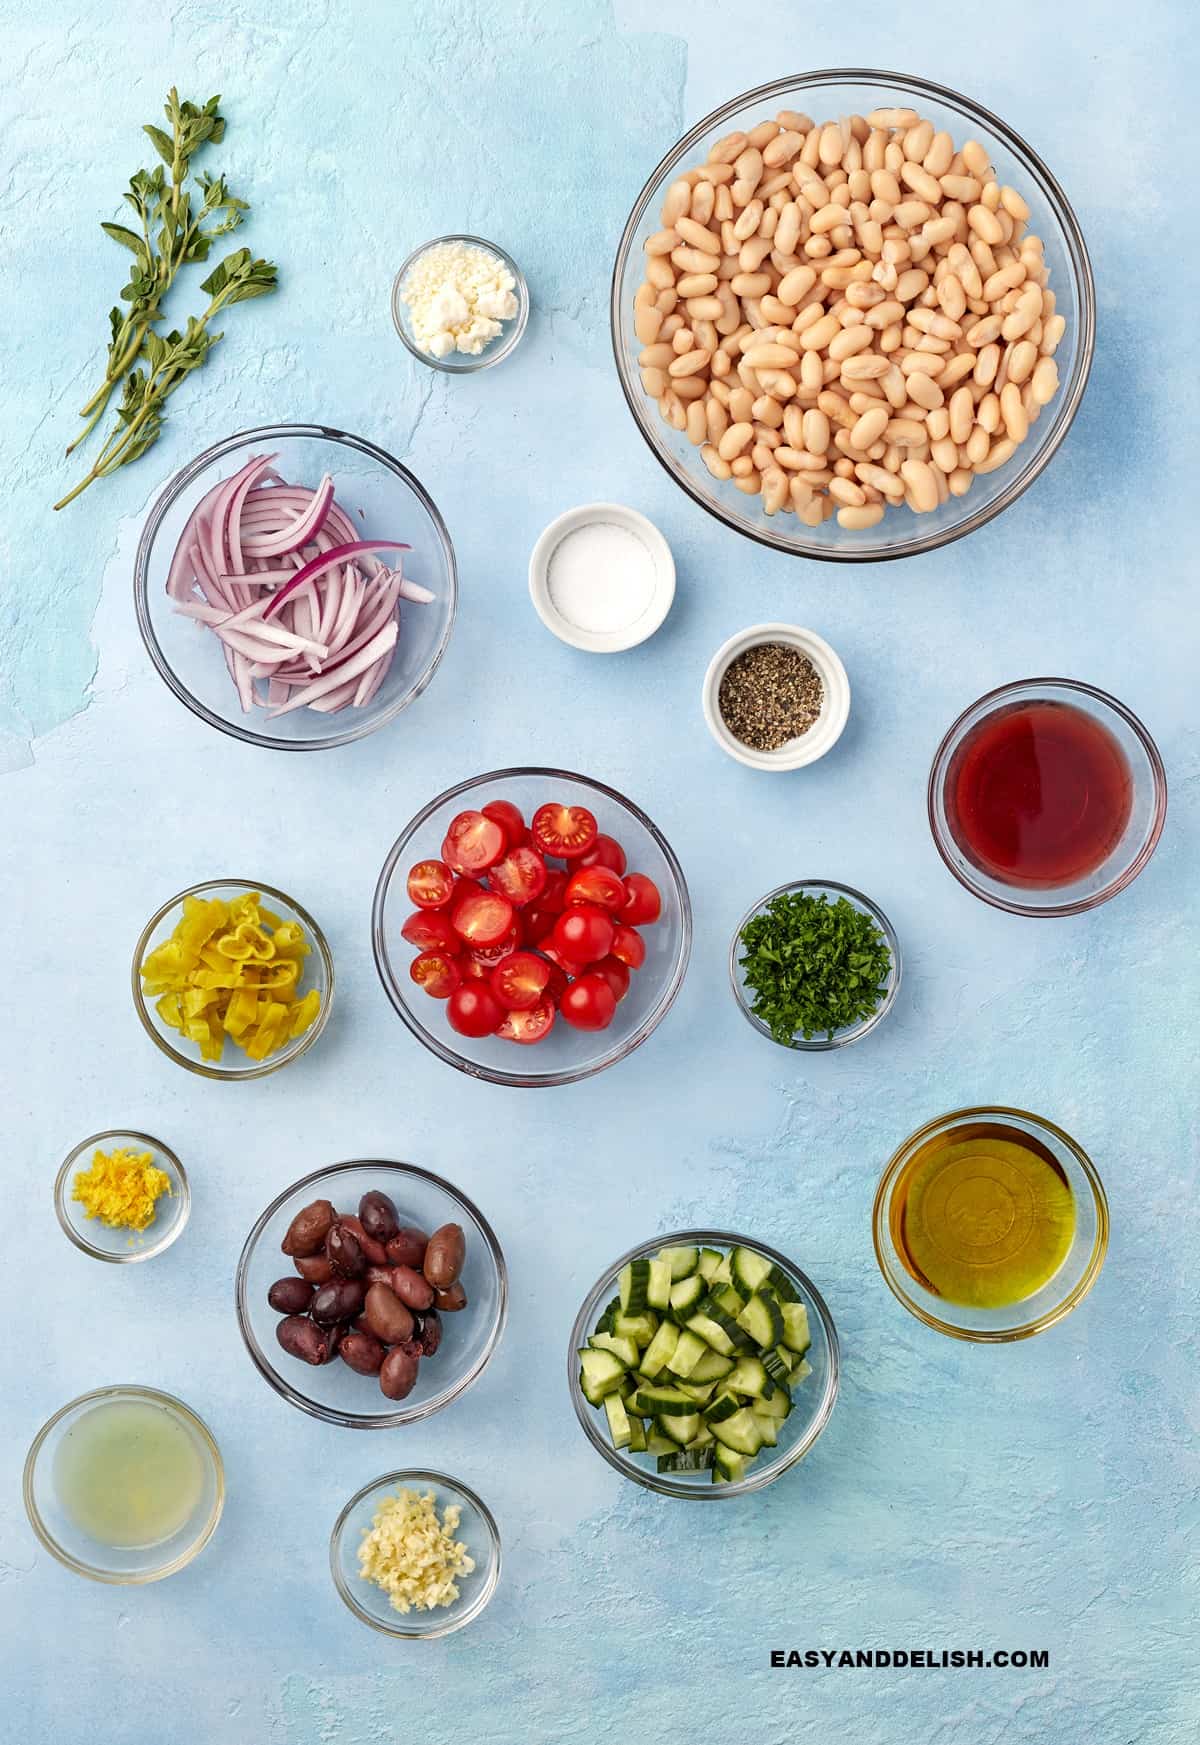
[[129, 1473], [982, 1215]]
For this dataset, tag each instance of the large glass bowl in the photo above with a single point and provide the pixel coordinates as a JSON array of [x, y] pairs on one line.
[[827, 95], [813, 1400], [334, 1392], [1058, 1296], [382, 498], [476, 1529], [1128, 855], [566, 1054]]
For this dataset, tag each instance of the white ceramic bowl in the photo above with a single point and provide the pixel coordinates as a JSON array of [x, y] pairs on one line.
[[645, 617], [825, 731]]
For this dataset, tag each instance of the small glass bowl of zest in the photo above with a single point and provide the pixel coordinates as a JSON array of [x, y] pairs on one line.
[[124, 1485], [121, 1243], [812, 1400], [990, 1224], [476, 1531]]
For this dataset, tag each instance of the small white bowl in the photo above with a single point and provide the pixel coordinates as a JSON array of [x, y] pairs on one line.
[[825, 731], [645, 614]]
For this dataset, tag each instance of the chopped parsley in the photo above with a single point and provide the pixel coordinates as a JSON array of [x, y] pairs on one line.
[[814, 966]]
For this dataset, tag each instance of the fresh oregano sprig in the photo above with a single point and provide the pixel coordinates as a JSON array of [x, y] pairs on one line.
[[815, 967]]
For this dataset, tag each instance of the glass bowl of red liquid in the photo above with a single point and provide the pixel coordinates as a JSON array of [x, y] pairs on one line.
[[1047, 797]]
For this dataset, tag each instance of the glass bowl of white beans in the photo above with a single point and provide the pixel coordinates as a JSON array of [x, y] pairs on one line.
[[853, 315]]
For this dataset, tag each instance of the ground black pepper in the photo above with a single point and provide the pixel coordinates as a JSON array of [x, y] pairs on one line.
[[771, 693]]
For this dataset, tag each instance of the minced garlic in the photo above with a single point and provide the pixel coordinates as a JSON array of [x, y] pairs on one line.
[[121, 1188], [412, 1556]]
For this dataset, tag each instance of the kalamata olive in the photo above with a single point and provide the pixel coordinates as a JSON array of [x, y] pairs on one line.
[[412, 1346], [377, 1216], [345, 1252], [308, 1228], [375, 1252], [291, 1296], [314, 1267], [362, 1352], [386, 1316], [444, 1256], [431, 1332], [399, 1373], [333, 1339], [301, 1338], [378, 1275], [340, 1300], [407, 1247], [411, 1288], [451, 1300]]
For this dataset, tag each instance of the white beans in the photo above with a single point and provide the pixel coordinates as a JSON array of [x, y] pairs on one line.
[[847, 316]]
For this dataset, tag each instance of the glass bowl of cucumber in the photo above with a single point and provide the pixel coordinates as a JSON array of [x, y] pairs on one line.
[[703, 1365]]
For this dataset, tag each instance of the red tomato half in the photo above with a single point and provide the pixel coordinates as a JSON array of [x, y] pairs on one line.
[[583, 933], [490, 955], [589, 1003], [599, 885], [565, 966], [642, 901], [508, 817], [430, 884], [473, 1010], [437, 972], [605, 851], [628, 946], [430, 930], [520, 876], [482, 918], [616, 974], [528, 1026], [521, 980], [567, 831], [473, 843]]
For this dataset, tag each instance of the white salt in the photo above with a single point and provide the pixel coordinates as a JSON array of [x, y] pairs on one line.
[[600, 577]]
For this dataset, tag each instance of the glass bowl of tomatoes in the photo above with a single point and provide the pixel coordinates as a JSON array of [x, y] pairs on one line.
[[531, 926]]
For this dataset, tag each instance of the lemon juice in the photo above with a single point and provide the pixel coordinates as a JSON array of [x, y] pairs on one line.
[[129, 1473]]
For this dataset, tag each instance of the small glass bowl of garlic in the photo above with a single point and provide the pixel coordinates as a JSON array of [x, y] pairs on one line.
[[460, 304]]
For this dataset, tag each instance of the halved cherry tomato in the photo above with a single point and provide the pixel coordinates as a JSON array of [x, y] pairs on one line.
[[490, 955], [521, 980], [482, 918], [589, 1003], [566, 966], [430, 930], [528, 1026], [520, 876], [628, 946], [476, 968], [430, 884], [567, 831], [508, 817], [605, 851], [583, 933], [554, 897], [616, 974], [473, 843], [437, 972], [642, 901], [473, 1010], [599, 885]]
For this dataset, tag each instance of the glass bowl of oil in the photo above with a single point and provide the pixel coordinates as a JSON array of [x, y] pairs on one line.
[[124, 1485], [990, 1224]]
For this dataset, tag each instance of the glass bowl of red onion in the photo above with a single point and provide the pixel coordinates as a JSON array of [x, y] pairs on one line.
[[295, 587]]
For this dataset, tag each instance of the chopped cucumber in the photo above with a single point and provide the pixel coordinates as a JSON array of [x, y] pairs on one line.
[[795, 1327], [711, 1333], [711, 1367], [681, 1430], [709, 1261], [780, 1402], [778, 1365], [656, 1401], [740, 1432], [660, 1350], [601, 1374], [686, 1297], [686, 1460], [723, 1274], [724, 1406], [618, 1420], [625, 1349], [762, 1319], [637, 1436], [689, 1349], [728, 1466], [701, 1393], [657, 1443], [749, 1270], [633, 1285], [605, 1323], [682, 1261], [768, 1428], [751, 1377], [640, 1328]]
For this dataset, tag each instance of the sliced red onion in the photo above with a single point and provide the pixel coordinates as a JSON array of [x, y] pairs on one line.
[[366, 657], [329, 560]]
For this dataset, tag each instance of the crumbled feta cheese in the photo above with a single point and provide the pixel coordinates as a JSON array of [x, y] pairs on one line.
[[412, 1555], [458, 296]]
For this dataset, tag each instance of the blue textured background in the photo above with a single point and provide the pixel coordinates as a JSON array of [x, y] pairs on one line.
[[1043, 1495]]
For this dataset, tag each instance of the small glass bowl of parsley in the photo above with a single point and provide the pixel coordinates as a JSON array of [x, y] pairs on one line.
[[815, 965]]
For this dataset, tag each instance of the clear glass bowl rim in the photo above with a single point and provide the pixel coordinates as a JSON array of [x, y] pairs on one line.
[[662, 1483], [405, 1414], [125, 1391], [392, 984], [183, 1196], [978, 711], [205, 1068], [267, 433], [881, 1234], [1066, 403], [418, 1476], [500, 347], [855, 1032]]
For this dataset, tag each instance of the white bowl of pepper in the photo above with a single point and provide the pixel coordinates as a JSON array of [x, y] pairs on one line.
[[776, 697]]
